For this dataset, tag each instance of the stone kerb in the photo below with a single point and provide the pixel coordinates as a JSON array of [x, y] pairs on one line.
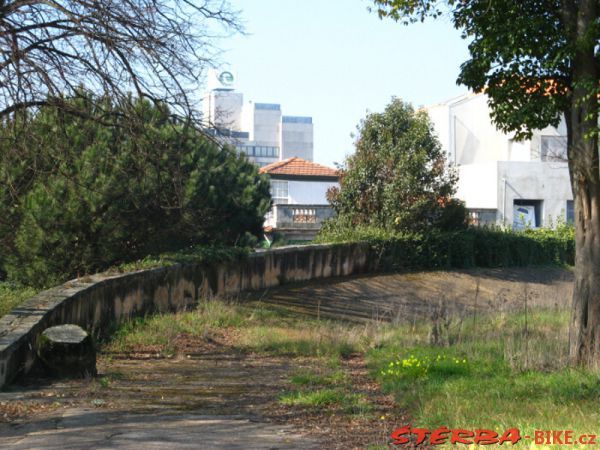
[[97, 301]]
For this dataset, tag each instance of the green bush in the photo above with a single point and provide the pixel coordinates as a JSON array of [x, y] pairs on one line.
[[470, 247], [77, 196], [398, 178]]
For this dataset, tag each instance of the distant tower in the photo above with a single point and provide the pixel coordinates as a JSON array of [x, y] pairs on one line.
[[257, 129], [296, 137], [222, 106]]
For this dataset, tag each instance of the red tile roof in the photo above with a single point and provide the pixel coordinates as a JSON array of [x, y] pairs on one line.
[[299, 167]]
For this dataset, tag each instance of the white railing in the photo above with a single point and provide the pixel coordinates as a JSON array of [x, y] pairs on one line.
[[297, 216]]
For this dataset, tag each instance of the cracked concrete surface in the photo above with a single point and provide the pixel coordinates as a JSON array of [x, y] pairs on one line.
[[208, 401], [81, 429]]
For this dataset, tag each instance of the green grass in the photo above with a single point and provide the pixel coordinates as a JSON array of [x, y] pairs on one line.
[[314, 339], [319, 398], [499, 372], [351, 403], [259, 328], [12, 296], [161, 330], [326, 390]]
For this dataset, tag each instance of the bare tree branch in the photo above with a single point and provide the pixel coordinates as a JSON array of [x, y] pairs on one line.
[[158, 49]]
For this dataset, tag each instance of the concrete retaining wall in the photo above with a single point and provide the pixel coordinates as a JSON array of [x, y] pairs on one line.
[[97, 301]]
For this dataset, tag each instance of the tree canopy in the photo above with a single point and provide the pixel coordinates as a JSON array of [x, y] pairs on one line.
[[539, 61], [77, 196], [398, 178]]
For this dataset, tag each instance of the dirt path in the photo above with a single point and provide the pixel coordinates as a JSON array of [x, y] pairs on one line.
[[217, 400], [210, 400]]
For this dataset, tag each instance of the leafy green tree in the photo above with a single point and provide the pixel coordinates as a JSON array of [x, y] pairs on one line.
[[77, 196], [398, 178], [538, 61]]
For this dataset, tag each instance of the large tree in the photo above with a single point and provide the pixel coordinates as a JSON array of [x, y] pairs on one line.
[[398, 178], [539, 61], [158, 49]]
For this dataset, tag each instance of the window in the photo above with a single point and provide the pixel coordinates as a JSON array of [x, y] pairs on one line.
[[246, 149], [527, 213], [259, 151], [479, 217], [279, 192], [554, 148], [570, 211]]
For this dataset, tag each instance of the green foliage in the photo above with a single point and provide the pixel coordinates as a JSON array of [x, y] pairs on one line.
[[77, 196], [398, 178], [471, 247], [195, 255], [12, 296], [520, 54]]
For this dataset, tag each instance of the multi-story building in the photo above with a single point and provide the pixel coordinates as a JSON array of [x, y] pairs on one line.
[[259, 130], [502, 180]]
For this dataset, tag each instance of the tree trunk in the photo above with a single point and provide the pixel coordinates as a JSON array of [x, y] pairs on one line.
[[584, 335], [582, 121]]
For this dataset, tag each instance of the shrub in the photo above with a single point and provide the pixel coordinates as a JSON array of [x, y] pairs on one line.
[[77, 196], [470, 247]]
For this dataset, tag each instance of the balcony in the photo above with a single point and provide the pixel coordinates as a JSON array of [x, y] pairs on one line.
[[298, 221]]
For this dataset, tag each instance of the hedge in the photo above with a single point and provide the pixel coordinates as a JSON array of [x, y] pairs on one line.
[[471, 247]]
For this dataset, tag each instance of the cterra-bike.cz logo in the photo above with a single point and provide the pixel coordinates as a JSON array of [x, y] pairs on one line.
[[445, 435]]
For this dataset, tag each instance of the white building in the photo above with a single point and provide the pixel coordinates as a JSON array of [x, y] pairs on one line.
[[299, 192], [259, 130], [502, 180]]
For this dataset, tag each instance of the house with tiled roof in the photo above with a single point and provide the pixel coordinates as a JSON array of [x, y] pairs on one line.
[[299, 192]]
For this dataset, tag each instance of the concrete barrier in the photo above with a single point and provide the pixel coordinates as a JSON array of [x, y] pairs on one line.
[[97, 301]]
